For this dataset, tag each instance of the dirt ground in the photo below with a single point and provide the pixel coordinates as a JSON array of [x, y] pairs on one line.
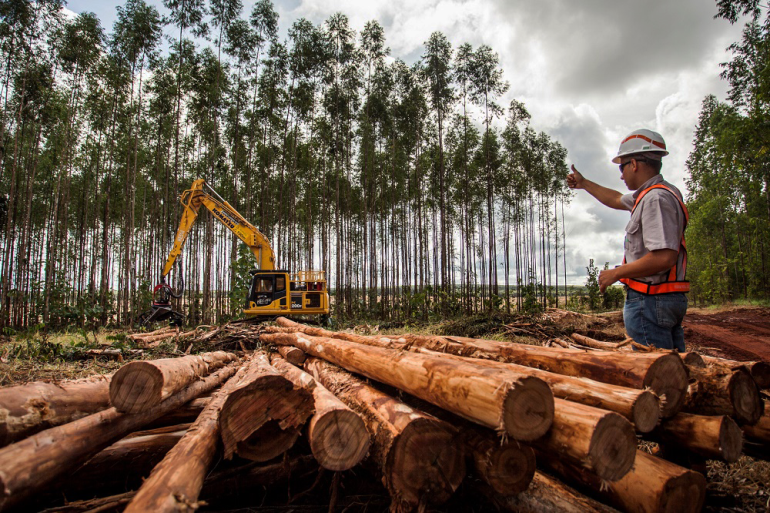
[[741, 334]]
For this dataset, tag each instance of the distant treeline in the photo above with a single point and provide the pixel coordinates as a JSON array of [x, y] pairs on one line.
[[395, 179], [729, 201]]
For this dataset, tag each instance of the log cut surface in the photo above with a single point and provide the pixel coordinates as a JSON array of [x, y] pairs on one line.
[[262, 416]]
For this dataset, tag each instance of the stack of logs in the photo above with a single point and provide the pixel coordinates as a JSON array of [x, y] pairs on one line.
[[420, 407]]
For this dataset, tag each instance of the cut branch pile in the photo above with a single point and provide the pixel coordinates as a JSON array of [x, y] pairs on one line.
[[413, 410]]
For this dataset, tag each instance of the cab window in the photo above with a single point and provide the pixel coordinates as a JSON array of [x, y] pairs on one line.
[[263, 284], [280, 283]]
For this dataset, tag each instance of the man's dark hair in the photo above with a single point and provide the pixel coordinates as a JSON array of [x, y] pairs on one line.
[[656, 165]]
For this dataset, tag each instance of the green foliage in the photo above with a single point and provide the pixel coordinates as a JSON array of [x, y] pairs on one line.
[[592, 285], [242, 279]]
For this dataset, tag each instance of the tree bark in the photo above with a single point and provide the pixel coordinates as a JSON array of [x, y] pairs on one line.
[[261, 418], [123, 465], [176, 482], [721, 391], [184, 414], [548, 495], [416, 454], [601, 441], [32, 464], [663, 373], [227, 483], [337, 435], [508, 401], [140, 385], [717, 437], [598, 344], [654, 485], [28, 409], [760, 371]]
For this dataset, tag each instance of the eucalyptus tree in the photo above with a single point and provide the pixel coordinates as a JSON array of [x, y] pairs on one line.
[[437, 72], [22, 28], [80, 47], [486, 83], [342, 81], [373, 53], [185, 14], [135, 36], [463, 73]]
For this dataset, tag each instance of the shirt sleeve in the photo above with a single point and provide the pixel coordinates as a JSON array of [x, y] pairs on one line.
[[662, 221], [628, 200]]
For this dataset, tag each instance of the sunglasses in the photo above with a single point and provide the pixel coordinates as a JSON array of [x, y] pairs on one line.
[[624, 164]]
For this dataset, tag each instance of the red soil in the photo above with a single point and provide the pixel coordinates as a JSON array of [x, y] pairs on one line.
[[742, 334]]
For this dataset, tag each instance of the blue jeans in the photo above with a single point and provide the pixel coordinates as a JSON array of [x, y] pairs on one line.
[[656, 320]]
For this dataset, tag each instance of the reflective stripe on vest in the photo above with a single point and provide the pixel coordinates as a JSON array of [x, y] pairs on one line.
[[671, 284]]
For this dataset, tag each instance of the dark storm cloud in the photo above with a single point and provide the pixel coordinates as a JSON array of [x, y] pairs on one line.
[[601, 46]]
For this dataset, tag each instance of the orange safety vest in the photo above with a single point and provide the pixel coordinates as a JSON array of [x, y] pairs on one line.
[[671, 284]]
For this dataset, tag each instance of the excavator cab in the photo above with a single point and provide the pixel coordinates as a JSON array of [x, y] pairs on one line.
[[279, 292]]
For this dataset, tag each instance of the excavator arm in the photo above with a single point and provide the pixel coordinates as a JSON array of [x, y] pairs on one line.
[[202, 194]]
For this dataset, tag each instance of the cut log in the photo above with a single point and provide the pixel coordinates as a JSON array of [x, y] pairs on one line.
[[601, 441], [758, 436], [507, 467], [548, 495], [33, 463], [654, 485], [139, 336], [224, 484], [141, 385], [760, 371], [243, 480], [337, 435], [720, 391], [134, 456], [418, 456], [508, 401], [717, 437], [662, 372], [641, 407], [261, 418], [693, 359], [98, 505], [597, 344], [176, 482], [28, 409], [292, 355]]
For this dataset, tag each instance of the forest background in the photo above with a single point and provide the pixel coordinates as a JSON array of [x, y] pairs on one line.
[[411, 185]]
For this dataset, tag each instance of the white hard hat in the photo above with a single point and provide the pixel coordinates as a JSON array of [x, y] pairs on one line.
[[642, 141]]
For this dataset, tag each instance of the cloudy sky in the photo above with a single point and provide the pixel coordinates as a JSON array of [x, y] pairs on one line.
[[589, 72]]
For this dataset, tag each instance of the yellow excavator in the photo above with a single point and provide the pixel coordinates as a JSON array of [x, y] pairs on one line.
[[273, 292]]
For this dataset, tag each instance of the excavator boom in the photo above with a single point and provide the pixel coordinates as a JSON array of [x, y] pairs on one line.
[[202, 194]]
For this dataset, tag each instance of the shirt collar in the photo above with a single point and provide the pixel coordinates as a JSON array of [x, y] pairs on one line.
[[649, 183]]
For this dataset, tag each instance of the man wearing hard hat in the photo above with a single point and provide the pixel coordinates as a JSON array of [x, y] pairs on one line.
[[655, 257]]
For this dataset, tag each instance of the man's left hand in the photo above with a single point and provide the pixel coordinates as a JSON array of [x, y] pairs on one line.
[[607, 278]]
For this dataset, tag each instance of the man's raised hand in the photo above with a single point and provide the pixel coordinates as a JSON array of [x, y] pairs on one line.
[[575, 179]]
